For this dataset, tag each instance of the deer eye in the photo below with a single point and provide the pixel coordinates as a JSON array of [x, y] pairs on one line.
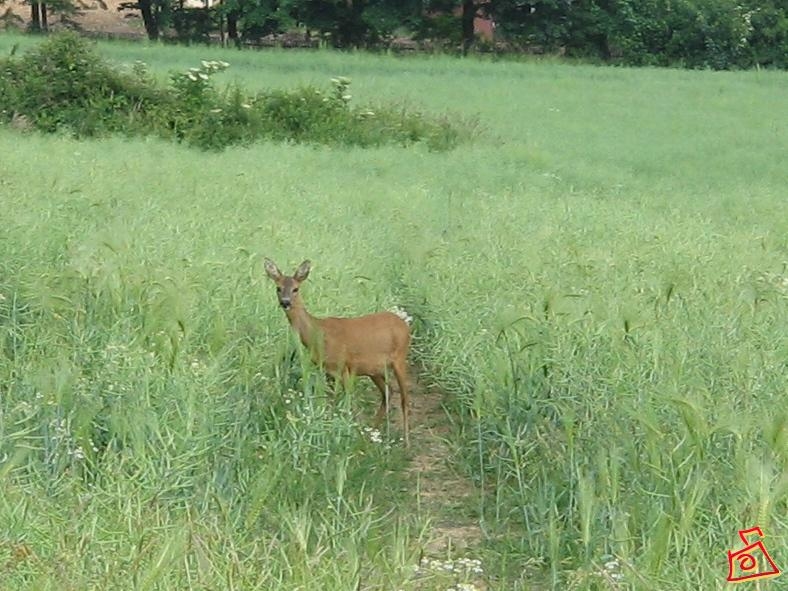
[[278, 290], [295, 290]]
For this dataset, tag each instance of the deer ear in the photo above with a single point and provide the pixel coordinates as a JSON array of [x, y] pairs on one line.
[[303, 271], [272, 270]]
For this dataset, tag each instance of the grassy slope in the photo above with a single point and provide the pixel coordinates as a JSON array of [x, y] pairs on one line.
[[600, 280]]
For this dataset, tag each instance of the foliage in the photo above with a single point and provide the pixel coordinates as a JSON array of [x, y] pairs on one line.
[[718, 34], [696, 33], [768, 39], [64, 85], [543, 23], [308, 114], [256, 18], [194, 25]]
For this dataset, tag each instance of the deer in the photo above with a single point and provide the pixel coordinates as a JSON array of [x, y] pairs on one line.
[[375, 345]]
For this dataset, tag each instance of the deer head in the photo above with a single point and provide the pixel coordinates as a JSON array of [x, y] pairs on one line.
[[287, 287]]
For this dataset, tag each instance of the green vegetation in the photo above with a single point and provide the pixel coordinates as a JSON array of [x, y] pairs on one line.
[[599, 286], [64, 85], [717, 34]]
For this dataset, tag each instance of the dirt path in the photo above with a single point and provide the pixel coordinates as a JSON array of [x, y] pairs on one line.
[[443, 494], [446, 498]]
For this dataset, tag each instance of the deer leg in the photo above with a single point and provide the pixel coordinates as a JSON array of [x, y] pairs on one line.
[[333, 379], [401, 371], [332, 382], [345, 376], [384, 401]]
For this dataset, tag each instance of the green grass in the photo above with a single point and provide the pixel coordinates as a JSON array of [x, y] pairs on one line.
[[600, 286]]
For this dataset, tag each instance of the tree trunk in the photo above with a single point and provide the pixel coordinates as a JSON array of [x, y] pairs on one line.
[[468, 14], [44, 24], [149, 19], [35, 17], [232, 27]]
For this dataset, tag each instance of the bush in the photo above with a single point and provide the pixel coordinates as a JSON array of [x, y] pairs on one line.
[[64, 85], [718, 34], [768, 43]]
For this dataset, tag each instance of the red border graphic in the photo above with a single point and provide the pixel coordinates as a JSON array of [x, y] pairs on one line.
[[747, 559]]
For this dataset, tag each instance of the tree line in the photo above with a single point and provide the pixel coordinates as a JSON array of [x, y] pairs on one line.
[[716, 34]]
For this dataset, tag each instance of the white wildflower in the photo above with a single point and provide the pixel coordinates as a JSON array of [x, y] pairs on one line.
[[402, 313], [373, 434], [461, 566]]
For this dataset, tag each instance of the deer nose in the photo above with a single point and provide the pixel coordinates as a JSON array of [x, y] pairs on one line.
[[285, 303]]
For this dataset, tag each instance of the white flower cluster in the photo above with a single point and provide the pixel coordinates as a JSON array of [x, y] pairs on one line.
[[373, 434], [62, 438], [292, 395], [205, 70], [197, 366], [402, 313], [612, 569], [462, 570], [341, 85], [214, 66], [463, 587], [195, 74], [466, 566]]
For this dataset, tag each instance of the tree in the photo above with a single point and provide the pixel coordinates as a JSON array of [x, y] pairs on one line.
[[39, 22], [252, 19], [156, 14], [40, 13], [342, 21], [768, 39], [354, 23], [542, 23], [455, 12]]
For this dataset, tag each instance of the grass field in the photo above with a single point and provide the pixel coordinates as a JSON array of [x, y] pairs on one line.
[[599, 282]]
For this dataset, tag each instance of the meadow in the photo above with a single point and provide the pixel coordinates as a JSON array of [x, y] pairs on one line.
[[599, 285]]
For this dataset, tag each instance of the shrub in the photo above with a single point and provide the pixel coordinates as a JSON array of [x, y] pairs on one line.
[[64, 85]]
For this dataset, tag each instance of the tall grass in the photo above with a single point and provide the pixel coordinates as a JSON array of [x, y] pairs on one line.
[[599, 283]]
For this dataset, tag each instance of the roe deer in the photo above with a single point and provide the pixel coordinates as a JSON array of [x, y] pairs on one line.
[[370, 345]]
